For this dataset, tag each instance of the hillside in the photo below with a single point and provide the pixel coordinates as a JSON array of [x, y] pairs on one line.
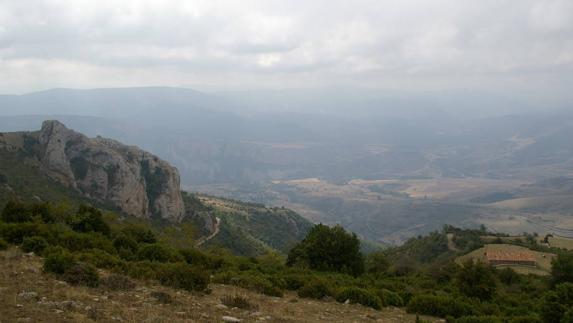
[[27, 294], [132, 180], [107, 173]]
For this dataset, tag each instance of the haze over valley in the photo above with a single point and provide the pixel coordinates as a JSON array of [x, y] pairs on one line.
[[385, 165]]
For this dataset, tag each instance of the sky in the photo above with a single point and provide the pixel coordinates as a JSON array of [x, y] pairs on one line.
[[522, 46]]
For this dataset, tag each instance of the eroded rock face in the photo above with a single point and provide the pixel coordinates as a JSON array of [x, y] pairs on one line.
[[137, 182]]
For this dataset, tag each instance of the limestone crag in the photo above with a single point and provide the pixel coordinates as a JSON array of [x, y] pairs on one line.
[[137, 182]]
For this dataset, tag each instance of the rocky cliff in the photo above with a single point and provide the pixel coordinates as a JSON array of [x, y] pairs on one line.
[[137, 182]]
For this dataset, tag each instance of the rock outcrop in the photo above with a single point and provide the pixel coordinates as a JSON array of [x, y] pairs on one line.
[[137, 182]]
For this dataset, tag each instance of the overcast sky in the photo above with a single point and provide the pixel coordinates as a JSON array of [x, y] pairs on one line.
[[522, 45]]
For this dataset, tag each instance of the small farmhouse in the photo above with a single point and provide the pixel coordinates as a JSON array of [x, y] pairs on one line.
[[509, 257]]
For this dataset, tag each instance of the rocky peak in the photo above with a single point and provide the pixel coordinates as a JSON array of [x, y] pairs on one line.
[[137, 182]]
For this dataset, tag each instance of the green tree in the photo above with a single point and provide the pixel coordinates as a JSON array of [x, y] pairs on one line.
[[557, 305], [15, 212], [476, 279], [562, 268], [329, 249], [89, 219], [377, 263]]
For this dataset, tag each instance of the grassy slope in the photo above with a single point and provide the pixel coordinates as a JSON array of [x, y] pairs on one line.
[[251, 229], [56, 301], [24, 179]]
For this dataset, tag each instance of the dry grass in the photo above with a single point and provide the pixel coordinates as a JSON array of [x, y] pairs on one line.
[[56, 301], [561, 242]]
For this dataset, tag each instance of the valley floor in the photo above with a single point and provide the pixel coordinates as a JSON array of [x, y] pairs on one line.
[[29, 295]]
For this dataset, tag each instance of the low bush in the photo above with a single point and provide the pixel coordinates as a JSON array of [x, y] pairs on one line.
[[238, 301], [140, 234], [181, 275], [34, 244], [295, 281], [3, 244], [315, 288], [197, 258], [390, 298], [360, 296], [479, 319], [526, 319], [155, 252], [58, 261], [102, 259], [441, 306], [81, 274], [15, 233], [89, 219], [258, 283], [15, 212], [117, 282]]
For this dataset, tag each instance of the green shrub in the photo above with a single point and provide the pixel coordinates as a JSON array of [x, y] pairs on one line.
[[16, 212], [376, 263], [258, 283], [142, 269], [197, 258], [81, 274], [181, 275], [3, 244], [124, 242], [568, 316], [390, 298], [34, 244], [328, 249], [76, 241], [295, 281], [525, 319], [58, 261], [155, 252], [562, 268], [89, 219], [15, 233], [476, 279], [479, 319], [360, 296], [556, 303], [238, 301], [140, 234], [508, 276], [441, 306], [117, 282], [101, 259], [225, 277], [316, 288]]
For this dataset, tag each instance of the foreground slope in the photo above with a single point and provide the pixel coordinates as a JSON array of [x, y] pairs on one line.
[[28, 295]]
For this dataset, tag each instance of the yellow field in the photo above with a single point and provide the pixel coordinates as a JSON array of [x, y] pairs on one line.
[[442, 187], [560, 242], [543, 259]]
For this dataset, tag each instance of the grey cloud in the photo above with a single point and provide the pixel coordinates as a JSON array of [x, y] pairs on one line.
[[272, 43]]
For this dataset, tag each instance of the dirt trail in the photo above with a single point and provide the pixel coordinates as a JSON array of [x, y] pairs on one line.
[[212, 235]]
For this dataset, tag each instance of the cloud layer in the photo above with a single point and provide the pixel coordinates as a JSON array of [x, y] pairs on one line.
[[414, 44]]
